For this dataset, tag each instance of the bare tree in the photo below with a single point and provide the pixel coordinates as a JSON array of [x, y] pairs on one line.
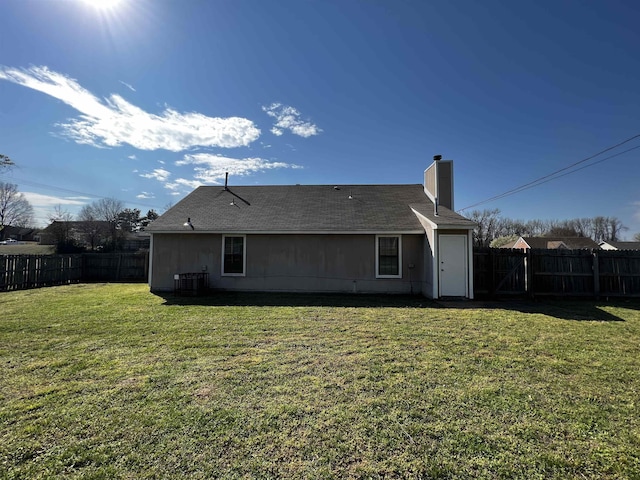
[[5, 162], [495, 230], [615, 228], [487, 224], [61, 226], [93, 230], [536, 228], [15, 209], [105, 210], [564, 228], [600, 229], [636, 237]]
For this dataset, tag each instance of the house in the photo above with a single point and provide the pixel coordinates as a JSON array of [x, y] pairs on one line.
[[611, 245], [90, 233], [319, 238], [135, 241], [20, 234], [570, 243]]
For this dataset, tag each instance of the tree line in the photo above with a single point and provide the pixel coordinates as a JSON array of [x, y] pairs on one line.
[[101, 225], [495, 230], [15, 209]]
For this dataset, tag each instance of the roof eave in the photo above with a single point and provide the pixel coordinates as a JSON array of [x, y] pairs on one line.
[[444, 225], [292, 232]]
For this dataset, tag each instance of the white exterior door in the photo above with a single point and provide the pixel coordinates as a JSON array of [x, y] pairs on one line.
[[452, 260]]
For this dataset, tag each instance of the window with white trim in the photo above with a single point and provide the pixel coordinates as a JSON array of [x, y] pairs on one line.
[[388, 256], [234, 249]]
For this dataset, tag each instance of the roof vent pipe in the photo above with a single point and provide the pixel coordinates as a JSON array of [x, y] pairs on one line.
[[436, 159], [226, 180]]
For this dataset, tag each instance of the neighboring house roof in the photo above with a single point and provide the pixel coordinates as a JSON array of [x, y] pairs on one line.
[[73, 225], [572, 243], [622, 245], [10, 231], [305, 209], [50, 235], [509, 245]]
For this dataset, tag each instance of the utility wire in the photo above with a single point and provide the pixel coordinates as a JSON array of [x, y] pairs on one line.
[[554, 175], [544, 180]]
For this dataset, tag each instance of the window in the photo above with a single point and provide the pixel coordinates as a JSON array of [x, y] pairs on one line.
[[388, 256], [233, 255]]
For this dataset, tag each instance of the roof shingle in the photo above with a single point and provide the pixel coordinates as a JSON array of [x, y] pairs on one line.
[[302, 208]]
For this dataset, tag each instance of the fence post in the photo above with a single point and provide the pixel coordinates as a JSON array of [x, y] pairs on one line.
[[492, 274], [119, 267], [596, 275], [529, 272]]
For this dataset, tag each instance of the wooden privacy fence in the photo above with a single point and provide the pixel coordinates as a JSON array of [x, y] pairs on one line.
[[115, 267], [571, 273], [18, 272]]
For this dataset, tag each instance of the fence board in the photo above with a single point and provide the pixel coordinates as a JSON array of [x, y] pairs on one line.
[[574, 273], [619, 272], [18, 272], [115, 267], [499, 271]]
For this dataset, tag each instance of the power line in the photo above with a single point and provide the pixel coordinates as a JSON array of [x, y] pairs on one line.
[[554, 175], [544, 180]]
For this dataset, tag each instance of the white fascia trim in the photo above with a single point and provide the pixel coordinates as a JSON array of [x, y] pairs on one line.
[[294, 232], [447, 226]]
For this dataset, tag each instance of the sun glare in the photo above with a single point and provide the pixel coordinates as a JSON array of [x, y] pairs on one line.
[[103, 4]]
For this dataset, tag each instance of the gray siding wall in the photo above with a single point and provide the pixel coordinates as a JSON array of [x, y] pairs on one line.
[[295, 263], [445, 182], [429, 256]]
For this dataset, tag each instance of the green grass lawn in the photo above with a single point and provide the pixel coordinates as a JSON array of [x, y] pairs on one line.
[[110, 381], [27, 249]]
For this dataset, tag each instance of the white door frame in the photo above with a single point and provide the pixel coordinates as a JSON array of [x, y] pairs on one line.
[[465, 256]]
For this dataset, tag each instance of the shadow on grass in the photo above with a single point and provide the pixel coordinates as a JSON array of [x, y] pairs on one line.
[[579, 310], [266, 299], [576, 310]]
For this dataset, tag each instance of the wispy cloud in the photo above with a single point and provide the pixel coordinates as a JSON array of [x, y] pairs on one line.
[[183, 182], [159, 174], [44, 205], [288, 118], [39, 200], [128, 86], [114, 121], [212, 168], [145, 195], [83, 199]]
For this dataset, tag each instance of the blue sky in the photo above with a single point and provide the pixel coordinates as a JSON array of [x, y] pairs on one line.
[[143, 100]]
